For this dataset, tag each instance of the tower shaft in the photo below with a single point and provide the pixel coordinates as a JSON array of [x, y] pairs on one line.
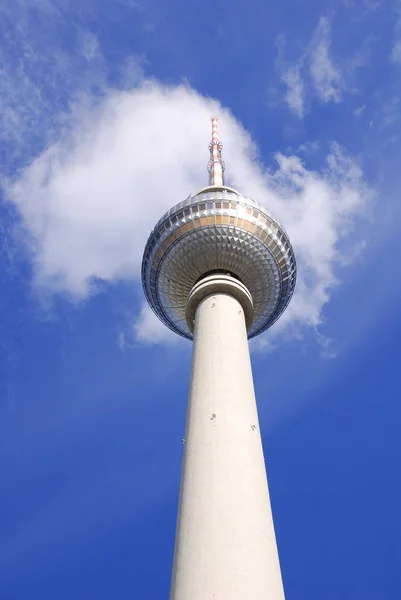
[[225, 542]]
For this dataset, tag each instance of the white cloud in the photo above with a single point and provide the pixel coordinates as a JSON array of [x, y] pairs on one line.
[[97, 192], [116, 159], [295, 94], [146, 328], [326, 78], [320, 209], [314, 74], [358, 111], [91, 199]]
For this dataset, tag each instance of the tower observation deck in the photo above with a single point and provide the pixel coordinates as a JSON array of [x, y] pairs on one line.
[[219, 268]]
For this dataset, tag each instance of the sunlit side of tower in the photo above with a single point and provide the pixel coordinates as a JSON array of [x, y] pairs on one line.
[[219, 269]]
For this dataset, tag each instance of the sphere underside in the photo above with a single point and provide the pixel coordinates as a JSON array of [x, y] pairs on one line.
[[218, 229]]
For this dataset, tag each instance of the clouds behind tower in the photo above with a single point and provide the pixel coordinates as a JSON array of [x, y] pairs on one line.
[[88, 201]]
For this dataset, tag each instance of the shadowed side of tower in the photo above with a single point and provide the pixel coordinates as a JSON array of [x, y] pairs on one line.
[[220, 268]]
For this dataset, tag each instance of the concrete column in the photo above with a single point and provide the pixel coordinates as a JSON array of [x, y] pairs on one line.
[[225, 545]]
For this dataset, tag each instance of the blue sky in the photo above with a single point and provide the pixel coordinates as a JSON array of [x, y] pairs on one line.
[[105, 122]]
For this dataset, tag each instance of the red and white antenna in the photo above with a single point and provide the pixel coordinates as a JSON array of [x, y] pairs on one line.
[[215, 165]]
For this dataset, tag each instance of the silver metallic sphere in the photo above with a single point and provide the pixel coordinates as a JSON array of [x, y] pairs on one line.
[[218, 230]]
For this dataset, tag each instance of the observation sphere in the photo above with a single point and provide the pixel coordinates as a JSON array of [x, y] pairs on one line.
[[218, 230]]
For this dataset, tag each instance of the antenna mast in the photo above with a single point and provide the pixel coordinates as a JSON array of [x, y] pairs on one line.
[[216, 164]]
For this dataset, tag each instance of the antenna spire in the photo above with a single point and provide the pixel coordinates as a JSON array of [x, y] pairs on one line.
[[216, 164]]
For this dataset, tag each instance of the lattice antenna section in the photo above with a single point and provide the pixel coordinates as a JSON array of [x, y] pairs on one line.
[[216, 164]]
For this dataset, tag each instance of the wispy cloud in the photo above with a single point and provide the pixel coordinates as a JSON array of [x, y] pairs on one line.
[[39, 78], [315, 73], [326, 78], [359, 110], [295, 94]]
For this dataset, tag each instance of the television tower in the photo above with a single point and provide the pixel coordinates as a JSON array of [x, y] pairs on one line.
[[218, 268]]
